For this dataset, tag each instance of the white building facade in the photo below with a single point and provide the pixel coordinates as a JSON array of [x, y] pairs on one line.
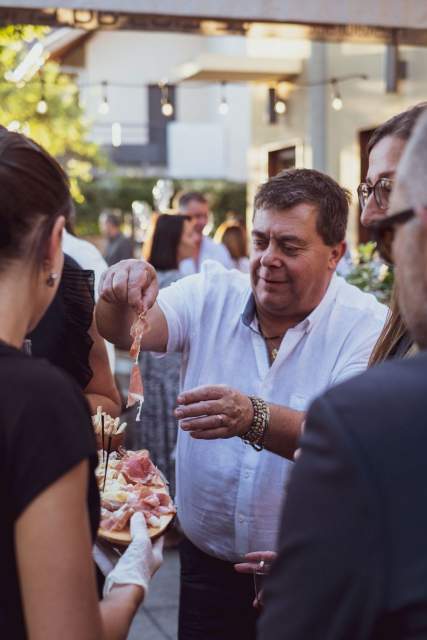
[[198, 142]]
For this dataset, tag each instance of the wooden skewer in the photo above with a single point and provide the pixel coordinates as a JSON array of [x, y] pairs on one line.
[[108, 457], [102, 432]]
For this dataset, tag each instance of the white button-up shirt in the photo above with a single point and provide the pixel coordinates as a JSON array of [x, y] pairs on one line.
[[228, 495], [209, 250]]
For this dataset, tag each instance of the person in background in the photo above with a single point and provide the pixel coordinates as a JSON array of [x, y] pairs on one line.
[[171, 239], [48, 491], [256, 351], [118, 247], [89, 258], [233, 236], [385, 148], [195, 205], [83, 252], [352, 561]]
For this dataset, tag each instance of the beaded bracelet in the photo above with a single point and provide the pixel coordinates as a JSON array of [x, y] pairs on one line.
[[256, 432]]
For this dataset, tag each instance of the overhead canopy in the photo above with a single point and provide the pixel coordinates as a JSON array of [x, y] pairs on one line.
[[216, 67], [323, 19]]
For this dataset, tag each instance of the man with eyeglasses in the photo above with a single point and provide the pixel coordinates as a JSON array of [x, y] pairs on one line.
[[385, 149], [352, 557]]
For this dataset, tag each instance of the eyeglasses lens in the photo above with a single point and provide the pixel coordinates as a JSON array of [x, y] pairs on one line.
[[382, 192]]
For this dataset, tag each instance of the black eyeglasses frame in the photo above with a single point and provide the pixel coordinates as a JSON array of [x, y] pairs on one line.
[[373, 189]]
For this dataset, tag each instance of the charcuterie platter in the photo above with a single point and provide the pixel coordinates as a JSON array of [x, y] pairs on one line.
[[129, 482]]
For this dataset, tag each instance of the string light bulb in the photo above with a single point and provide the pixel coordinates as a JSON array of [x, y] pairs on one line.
[[104, 105], [167, 109], [337, 102], [223, 107], [166, 106], [116, 134], [42, 105], [280, 107]]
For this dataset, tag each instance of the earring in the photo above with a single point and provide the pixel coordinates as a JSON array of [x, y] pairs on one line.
[[51, 279]]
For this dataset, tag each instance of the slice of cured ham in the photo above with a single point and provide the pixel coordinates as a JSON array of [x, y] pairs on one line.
[[137, 330], [116, 520], [136, 390], [138, 468]]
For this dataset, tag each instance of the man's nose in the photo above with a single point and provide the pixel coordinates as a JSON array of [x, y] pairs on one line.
[[271, 257], [371, 212]]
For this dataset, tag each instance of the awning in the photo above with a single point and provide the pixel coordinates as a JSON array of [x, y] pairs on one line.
[[221, 68], [323, 19]]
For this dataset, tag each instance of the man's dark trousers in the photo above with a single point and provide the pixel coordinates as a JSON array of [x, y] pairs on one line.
[[215, 601]]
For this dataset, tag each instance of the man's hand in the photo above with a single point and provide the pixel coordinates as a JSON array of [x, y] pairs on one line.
[[214, 411], [257, 562], [130, 282]]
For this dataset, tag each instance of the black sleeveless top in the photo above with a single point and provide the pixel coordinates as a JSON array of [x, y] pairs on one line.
[[45, 430], [62, 334]]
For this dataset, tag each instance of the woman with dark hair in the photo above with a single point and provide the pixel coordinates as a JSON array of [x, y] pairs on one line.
[[48, 492], [171, 239]]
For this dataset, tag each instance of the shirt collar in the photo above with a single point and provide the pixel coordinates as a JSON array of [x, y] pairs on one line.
[[306, 325]]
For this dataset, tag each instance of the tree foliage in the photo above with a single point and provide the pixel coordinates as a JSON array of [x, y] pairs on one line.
[[62, 130], [370, 274]]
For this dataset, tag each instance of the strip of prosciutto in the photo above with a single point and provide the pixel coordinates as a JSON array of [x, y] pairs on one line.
[[136, 389]]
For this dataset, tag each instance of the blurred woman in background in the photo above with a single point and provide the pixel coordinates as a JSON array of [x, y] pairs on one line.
[[171, 239], [233, 235]]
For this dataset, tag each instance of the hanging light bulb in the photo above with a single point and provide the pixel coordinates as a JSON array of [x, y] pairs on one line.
[[42, 105], [116, 134], [166, 106], [337, 102], [280, 107], [104, 105], [223, 107], [167, 109]]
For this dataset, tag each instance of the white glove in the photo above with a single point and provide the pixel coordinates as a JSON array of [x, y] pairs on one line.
[[140, 561]]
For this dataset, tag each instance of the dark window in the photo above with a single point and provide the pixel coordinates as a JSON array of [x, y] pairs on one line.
[[281, 159], [157, 123]]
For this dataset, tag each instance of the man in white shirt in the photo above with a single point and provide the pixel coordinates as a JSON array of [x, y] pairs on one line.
[[195, 205], [280, 337]]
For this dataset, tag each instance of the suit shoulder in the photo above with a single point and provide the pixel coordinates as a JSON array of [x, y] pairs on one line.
[[380, 396]]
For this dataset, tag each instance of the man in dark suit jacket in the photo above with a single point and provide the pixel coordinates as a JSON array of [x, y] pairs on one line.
[[352, 561]]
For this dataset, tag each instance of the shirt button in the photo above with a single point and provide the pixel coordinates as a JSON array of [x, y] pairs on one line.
[[247, 474], [241, 519]]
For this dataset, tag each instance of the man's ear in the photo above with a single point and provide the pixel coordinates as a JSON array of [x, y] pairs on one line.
[[335, 255], [422, 214]]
